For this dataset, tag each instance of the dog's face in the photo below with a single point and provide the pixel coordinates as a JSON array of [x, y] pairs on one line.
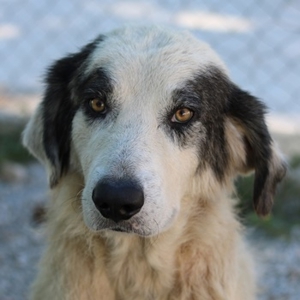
[[145, 114]]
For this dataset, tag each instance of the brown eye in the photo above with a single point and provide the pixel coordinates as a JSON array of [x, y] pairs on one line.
[[182, 115], [97, 105]]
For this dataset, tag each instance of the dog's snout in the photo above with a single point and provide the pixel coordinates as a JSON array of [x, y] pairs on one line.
[[118, 200]]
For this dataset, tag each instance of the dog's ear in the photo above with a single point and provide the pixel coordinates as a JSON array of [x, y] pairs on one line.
[[48, 133], [247, 114]]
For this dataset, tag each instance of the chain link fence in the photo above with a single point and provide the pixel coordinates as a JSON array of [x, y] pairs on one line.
[[259, 40]]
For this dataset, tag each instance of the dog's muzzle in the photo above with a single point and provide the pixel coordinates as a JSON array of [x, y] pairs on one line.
[[118, 200]]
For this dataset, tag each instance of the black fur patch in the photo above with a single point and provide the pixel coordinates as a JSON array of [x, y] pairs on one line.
[[183, 134], [221, 99], [211, 89], [249, 113], [97, 85], [217, 98], [59, 108]]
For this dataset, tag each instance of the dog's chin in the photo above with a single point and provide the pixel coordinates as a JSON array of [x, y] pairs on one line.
[[136, 225], [125, 227], [125, 230]]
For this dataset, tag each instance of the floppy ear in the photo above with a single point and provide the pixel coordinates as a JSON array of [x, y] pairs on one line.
[[247, 114], [48, 133]]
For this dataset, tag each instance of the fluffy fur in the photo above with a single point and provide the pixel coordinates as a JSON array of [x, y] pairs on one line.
[[186, 241]]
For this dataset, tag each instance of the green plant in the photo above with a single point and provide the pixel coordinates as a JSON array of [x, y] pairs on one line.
[[294, 162], [11, 148]]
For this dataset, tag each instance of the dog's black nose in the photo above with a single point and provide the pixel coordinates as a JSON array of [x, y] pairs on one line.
[[118, 200]]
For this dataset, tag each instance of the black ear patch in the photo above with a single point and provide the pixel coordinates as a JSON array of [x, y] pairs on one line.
[[249, 114], [58, 109]]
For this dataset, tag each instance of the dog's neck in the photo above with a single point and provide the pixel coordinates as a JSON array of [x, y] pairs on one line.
[[126, 255]]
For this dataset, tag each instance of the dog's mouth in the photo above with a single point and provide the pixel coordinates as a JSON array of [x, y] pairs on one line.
[[135, 226], [119, 229], [128, 227], [123, 226]]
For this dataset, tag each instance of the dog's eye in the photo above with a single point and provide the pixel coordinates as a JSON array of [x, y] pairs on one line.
[[182, 115], [97, 105]]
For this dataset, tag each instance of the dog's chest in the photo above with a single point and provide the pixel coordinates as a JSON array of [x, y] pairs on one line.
[[136, 272]]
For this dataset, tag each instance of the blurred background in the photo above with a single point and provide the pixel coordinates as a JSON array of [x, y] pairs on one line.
[[259, 40]]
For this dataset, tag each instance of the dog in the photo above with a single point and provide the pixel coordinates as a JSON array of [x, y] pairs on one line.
[[143, 133]]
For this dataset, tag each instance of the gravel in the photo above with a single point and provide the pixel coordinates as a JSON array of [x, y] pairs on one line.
[[20, 240], [21, 243], [278, 263]]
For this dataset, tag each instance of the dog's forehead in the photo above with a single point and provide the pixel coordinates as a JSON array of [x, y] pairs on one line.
[[152, 58]]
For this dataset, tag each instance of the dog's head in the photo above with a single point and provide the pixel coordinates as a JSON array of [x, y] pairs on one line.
[[145, 114]]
